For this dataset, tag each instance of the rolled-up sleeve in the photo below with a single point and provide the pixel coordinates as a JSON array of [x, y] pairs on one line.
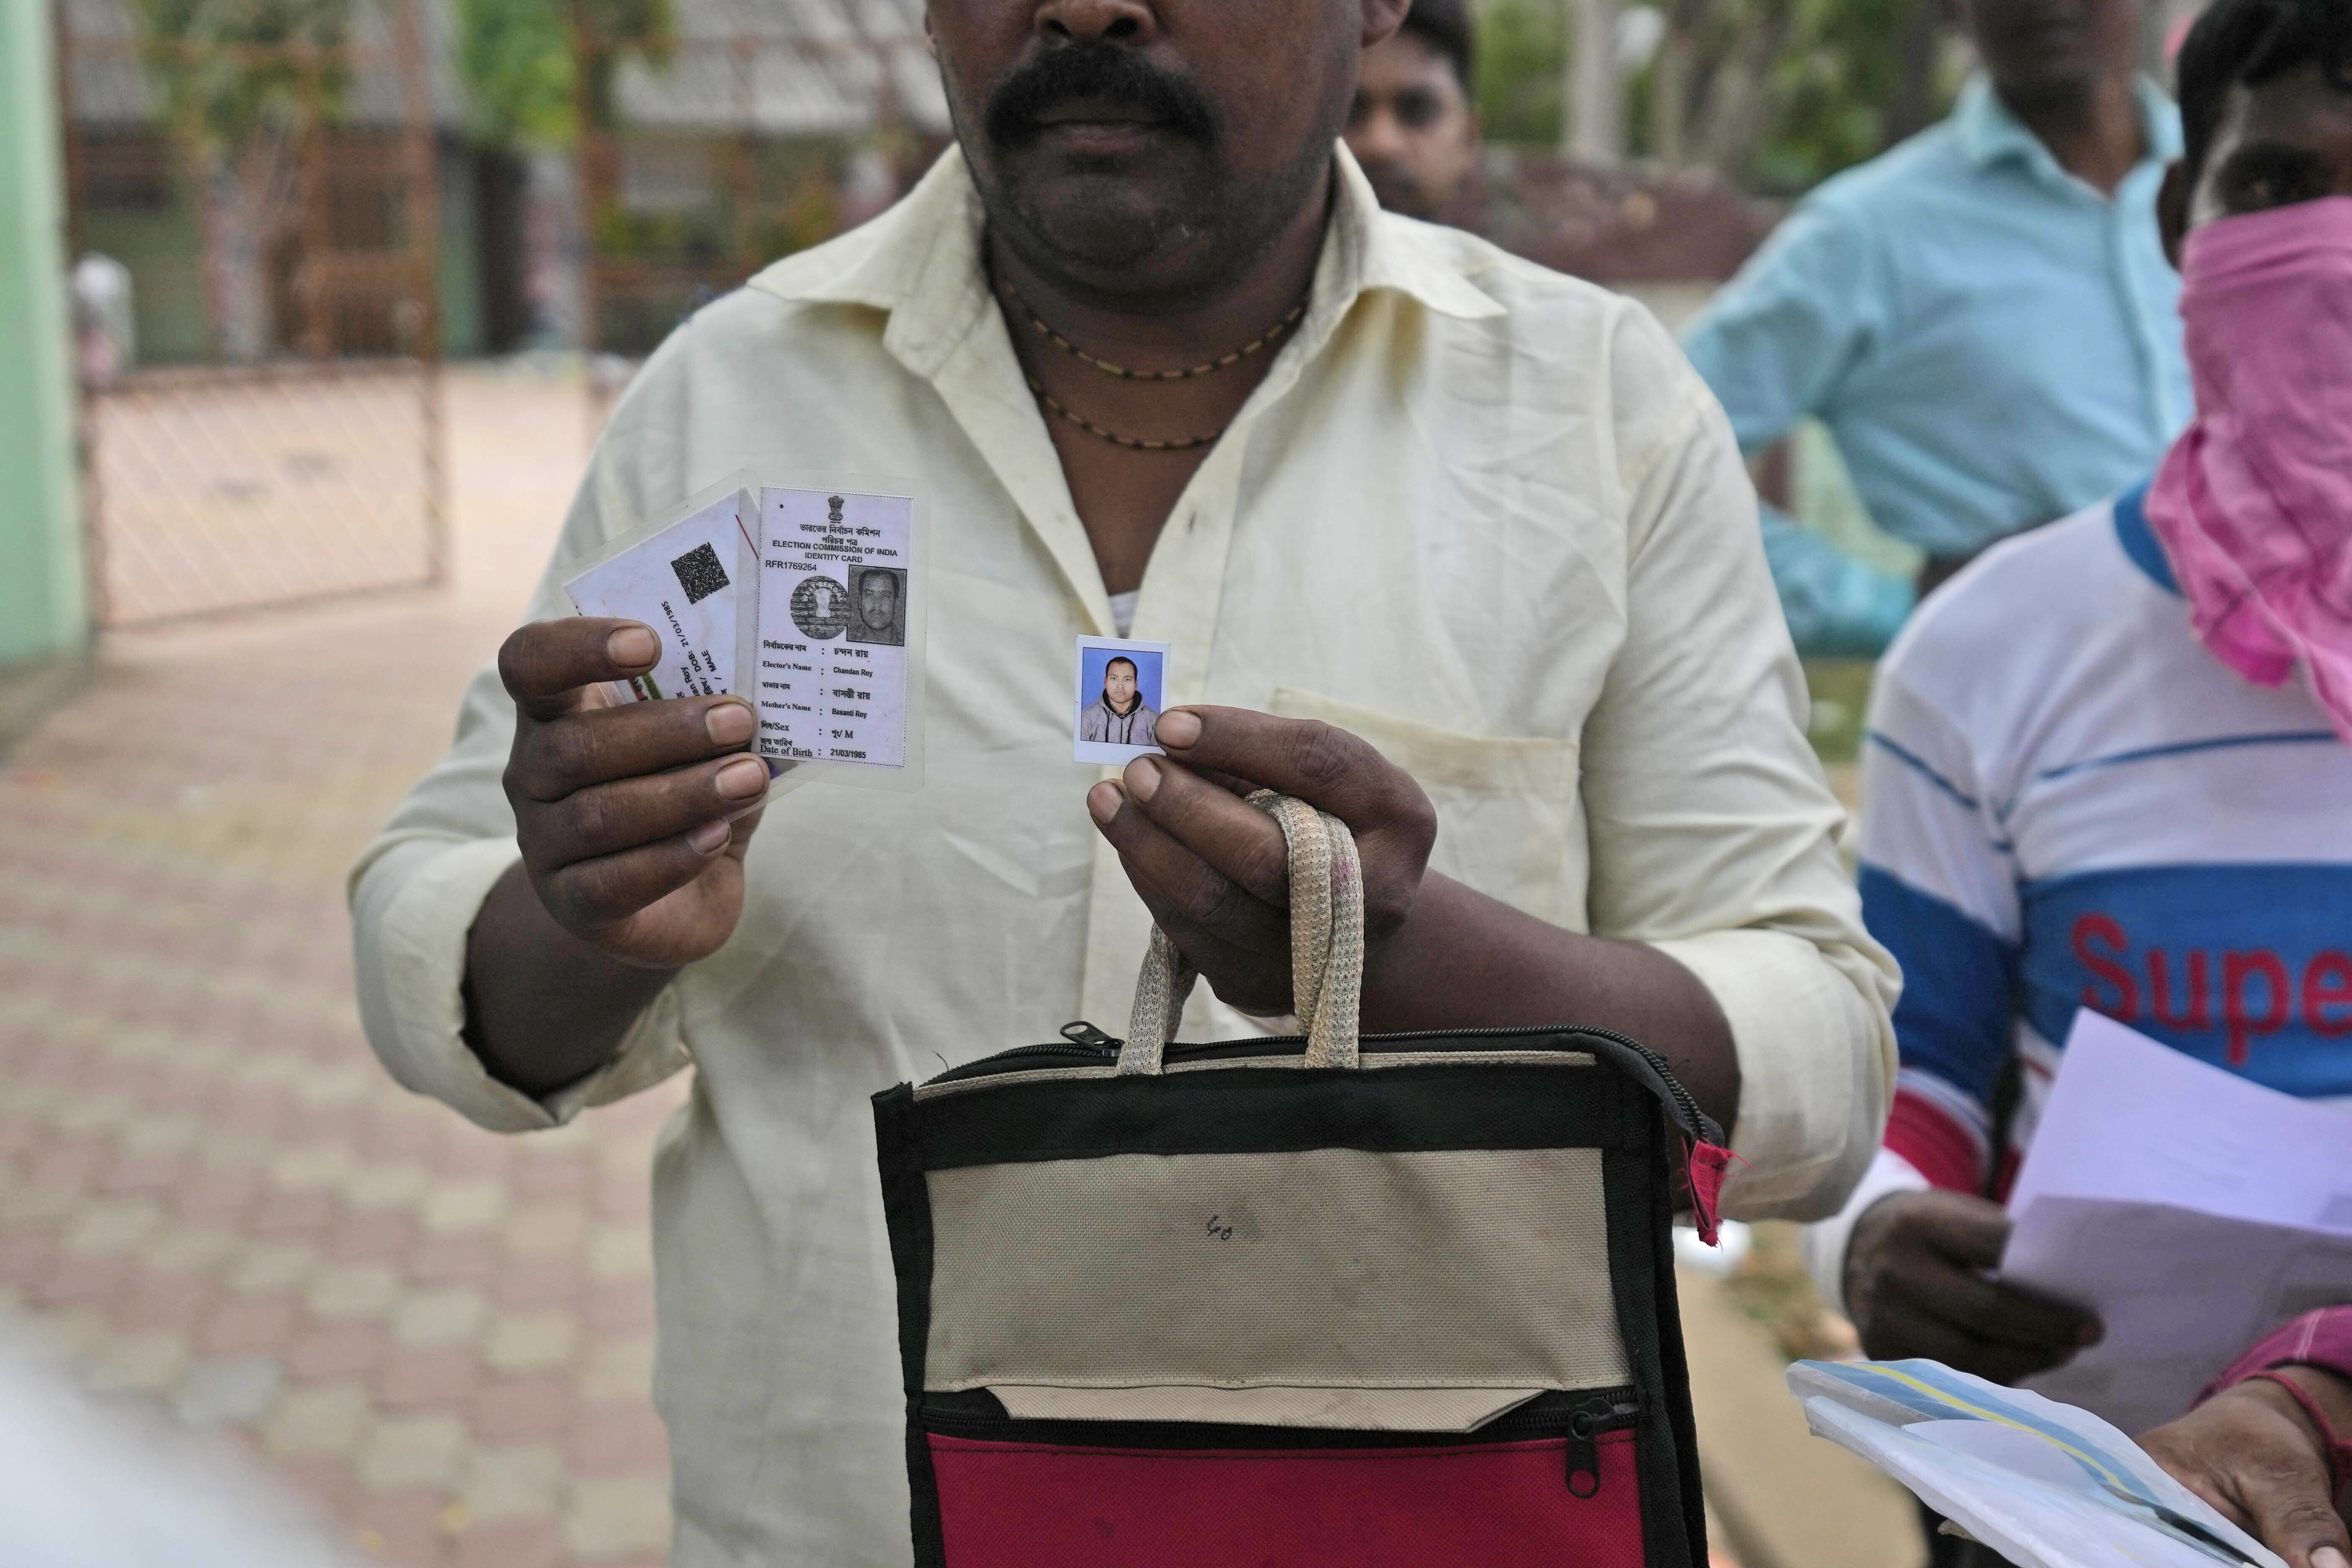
[[1774, 345], [415, 891], [1713, 832]]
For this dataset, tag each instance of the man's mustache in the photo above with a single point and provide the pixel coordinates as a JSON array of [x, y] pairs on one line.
[[1103, 72]]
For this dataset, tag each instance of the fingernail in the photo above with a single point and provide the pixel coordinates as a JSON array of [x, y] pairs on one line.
[[1102, 803], [728, 724], [2329, 1557], [711, 837], [1143, 778], [633, 647], [1177, 728], [744, 778]]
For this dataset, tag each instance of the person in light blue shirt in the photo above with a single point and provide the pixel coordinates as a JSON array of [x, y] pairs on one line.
[[1982, 316]]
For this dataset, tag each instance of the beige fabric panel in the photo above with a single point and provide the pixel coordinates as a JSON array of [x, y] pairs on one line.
[[1320, 1268], [1345, 1409]]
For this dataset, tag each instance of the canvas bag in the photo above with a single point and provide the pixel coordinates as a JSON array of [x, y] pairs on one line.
[[1311, 1302]]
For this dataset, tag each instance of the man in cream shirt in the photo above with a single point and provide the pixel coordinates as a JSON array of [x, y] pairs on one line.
[[1539, 670]]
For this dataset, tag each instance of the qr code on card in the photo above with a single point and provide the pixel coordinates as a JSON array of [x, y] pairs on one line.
[[699, 574]]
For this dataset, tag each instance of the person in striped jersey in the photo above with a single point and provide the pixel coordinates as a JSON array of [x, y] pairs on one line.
[[2107, 767]]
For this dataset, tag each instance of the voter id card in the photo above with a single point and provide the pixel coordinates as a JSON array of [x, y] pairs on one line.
[[843, 606], [695, 581]]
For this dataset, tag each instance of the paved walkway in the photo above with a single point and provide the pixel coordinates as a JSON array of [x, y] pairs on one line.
[[210, 1196]]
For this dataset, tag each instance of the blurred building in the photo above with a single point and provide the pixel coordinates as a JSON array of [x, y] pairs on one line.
[[769, 125], [134, 193]]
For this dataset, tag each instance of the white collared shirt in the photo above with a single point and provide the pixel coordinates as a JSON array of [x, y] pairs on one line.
[[1481, 514]]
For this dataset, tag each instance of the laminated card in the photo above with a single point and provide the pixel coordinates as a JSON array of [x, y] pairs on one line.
[[840, 628], [692, 580]]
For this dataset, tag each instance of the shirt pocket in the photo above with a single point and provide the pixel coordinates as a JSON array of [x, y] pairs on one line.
[[1510, 822]]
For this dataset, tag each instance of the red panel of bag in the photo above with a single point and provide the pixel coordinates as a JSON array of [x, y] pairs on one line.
[[1502, 1505]]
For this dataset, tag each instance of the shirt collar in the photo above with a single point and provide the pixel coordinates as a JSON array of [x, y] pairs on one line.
[[1991, 134], [920, 263], [2138, 540]]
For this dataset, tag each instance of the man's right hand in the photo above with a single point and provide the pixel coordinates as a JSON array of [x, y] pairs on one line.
[[634, 816], [1916, 1284]]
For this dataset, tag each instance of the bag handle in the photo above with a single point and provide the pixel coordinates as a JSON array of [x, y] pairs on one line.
[[1326, 947]]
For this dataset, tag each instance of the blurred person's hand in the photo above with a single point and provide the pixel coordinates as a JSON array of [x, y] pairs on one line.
[[633, 817], [1916, 1284], [2252, 1453]]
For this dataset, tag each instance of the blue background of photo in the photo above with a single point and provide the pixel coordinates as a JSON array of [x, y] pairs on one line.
[[1148, 673]]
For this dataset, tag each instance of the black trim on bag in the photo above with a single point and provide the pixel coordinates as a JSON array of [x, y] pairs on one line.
[[1638, 1206], [907, 1210], [1257, 1110], [1083, 1042]]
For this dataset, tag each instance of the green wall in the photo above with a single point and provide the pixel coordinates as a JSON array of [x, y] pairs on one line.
[[460, 283], [42, 610]]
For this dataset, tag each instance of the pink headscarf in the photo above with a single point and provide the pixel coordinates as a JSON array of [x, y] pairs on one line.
[[2253, 503]]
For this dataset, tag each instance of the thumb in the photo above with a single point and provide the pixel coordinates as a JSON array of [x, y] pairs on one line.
[[1968, 1231], [2294, 1517]]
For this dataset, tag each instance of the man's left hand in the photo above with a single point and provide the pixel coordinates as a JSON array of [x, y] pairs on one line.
[[1215, 870], [2252, 1454]]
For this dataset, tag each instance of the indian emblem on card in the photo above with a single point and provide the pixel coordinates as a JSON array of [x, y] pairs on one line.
[[820, 607]]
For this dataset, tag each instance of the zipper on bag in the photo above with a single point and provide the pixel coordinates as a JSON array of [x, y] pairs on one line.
[[1581, 1425]]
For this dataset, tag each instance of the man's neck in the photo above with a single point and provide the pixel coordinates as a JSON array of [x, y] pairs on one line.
[[1124, 496], [2096, 134]]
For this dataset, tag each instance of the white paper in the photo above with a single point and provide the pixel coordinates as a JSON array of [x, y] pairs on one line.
[[2131, 1118], [690, 582], [2044, 1484], [2192, 1209], [2182, 1294], [839, 598]]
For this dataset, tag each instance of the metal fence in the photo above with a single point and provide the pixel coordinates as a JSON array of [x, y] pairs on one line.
[[215, 489], [296, 452]]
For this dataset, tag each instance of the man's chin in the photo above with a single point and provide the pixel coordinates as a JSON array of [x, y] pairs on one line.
[[1111, 213], [2054, 76]]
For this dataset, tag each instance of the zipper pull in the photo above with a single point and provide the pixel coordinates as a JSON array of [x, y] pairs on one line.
[[1583, 1455], [1085, 1034], [1584, 1428]]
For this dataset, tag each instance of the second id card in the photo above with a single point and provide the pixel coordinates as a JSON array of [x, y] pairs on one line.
[[693, 581], [840, 645]]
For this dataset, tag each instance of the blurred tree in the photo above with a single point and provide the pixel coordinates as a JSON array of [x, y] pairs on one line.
[[1774, 95], [515, 57], [1522, 55], [521, 67], [241, 82]]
